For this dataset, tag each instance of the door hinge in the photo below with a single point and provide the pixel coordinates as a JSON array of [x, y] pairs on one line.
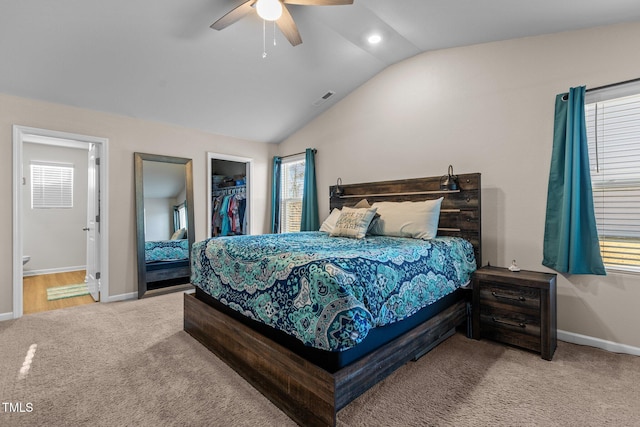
[[97, 161], [98, 275], [97, 218]]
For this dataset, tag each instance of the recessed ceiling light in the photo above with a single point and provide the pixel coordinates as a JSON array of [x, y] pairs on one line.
[[374, 38]]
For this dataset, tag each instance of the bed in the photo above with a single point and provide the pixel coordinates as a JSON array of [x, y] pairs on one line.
[[311, 367], [166, 259]]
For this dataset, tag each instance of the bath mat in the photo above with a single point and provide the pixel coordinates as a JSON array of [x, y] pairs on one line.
[[67, 291]]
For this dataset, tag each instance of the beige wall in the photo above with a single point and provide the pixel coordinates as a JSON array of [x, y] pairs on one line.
[[126, 136], [486, 108]]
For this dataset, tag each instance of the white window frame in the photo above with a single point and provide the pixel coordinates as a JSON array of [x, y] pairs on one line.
[[286, 197], [51, 185], [603, 186]]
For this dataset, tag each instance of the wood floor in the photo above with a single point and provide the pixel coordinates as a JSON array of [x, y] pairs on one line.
[[35, 291]]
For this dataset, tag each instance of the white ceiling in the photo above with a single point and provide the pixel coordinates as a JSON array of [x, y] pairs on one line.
[[159, 60]]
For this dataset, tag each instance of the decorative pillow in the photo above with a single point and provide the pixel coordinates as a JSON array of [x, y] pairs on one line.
[[329, 223], [353, 222], [418, 220], [364, 203]]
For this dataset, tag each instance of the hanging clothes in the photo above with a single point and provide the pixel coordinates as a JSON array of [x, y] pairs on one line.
[[228, 216], [224, 217]]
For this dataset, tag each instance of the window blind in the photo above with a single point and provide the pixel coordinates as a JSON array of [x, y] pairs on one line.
[[51, 185], [291, 188], [613, 134]]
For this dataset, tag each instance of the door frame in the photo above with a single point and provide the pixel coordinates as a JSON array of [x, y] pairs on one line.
[[248, 168], [44, 136]]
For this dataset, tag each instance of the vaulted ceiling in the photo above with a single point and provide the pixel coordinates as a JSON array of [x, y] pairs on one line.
[[159, 60]]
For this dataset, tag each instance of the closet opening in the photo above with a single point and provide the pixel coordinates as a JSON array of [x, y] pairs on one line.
[[228, 195]]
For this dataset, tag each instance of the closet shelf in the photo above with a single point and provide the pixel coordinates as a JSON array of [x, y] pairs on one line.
[[228, 190]]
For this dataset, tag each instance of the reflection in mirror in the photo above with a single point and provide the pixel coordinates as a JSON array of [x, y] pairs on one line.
[[164, 221]]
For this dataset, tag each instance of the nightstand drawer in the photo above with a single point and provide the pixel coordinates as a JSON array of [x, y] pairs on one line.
[[509, 335], [524, 322], [500, 294], [521, 328]]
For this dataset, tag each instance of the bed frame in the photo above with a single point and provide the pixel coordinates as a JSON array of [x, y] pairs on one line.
[[167, 270], [308, 394]]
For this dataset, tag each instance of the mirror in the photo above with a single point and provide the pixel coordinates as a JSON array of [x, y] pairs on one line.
[[164, 223]]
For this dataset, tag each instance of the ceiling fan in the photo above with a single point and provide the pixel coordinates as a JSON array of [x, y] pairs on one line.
[[274, 10]]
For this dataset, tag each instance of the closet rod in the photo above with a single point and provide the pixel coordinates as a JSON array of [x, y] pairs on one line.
[[297, 154], [565, 96]]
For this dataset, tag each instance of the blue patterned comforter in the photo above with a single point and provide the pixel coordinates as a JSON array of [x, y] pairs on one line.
[[166, 250], [328, 292]]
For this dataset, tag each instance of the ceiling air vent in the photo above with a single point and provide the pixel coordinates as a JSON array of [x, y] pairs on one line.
[[324, 98]]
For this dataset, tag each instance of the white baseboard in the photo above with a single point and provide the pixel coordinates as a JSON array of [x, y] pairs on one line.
[[132, 295], [611, 346], [6, 316], [121, 297], [26, 273]]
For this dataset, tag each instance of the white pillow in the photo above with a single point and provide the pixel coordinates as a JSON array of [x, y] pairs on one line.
[[329, 224], [408, 219], [179, 234], [353, 222]]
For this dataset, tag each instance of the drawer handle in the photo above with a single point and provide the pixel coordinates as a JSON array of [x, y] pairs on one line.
[[509, 297], [506, 322]]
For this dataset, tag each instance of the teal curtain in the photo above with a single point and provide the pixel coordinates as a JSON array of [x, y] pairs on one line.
[[310, 220], [275, 195], [570, 235]]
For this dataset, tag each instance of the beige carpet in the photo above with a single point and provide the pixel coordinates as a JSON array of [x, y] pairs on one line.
[[130, 363]]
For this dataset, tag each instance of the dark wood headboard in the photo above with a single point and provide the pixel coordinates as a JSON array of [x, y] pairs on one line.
[[459, 213]]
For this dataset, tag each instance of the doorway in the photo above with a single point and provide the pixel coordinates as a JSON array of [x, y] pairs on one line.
[[59, 219], [229, 178]]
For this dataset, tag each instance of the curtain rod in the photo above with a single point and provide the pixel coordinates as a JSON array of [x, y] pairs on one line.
[[565, 96], [613, 85], [297, 154]]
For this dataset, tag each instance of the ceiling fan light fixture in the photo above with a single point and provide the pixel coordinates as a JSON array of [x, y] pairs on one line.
[[269, 10], [374, 38]]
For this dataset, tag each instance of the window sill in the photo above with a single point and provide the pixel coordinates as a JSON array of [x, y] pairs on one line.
[[623, 270]]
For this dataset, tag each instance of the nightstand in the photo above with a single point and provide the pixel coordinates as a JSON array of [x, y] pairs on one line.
[[516, 308]]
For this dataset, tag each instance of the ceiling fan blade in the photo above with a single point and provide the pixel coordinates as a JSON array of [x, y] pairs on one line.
[[288, 27], [319, 2], [233, 16]]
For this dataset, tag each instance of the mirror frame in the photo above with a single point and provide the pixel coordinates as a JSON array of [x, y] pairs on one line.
[[140, 226]]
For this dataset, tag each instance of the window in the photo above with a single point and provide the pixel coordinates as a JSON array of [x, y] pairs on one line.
[[291, 188], [51, 185], [613, 133], [180, 216]]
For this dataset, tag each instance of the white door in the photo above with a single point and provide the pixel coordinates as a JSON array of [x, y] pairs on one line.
[[93, 224]]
